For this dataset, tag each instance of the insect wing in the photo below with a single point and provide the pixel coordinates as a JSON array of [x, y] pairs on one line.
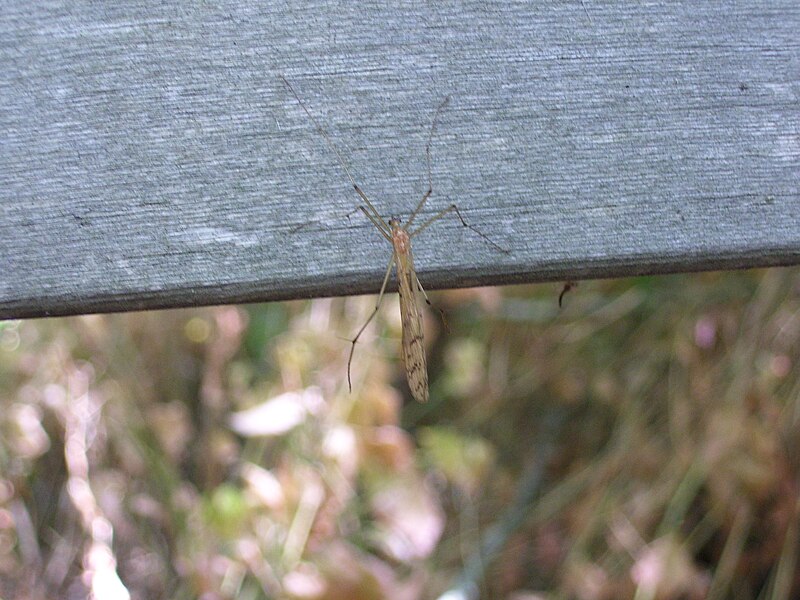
[[411, 318]]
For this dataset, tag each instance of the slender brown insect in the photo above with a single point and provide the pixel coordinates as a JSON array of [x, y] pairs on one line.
[[408, 283]]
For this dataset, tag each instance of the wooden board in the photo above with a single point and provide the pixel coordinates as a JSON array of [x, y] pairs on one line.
[[151, 156]]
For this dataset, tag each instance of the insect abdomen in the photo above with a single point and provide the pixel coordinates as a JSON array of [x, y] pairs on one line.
[[413, 339]]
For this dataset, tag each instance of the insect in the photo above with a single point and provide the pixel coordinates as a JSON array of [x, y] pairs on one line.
[[409, 286]]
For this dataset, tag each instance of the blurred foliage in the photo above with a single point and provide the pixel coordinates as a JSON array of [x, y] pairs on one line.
[[217, 453]]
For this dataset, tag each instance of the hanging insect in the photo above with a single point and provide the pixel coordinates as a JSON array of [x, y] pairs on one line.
[[409, 286]]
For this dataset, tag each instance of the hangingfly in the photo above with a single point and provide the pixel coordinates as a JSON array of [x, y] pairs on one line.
[[409, 285]]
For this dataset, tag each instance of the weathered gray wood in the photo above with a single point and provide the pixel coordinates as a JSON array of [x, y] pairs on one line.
[[151, 156]]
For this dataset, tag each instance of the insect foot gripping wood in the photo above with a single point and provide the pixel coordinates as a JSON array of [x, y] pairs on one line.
[[409, 285]]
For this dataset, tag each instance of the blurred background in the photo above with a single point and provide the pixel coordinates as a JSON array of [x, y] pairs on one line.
[[639, 442]]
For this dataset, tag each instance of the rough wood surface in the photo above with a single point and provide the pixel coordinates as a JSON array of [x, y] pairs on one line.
[[151, 156]]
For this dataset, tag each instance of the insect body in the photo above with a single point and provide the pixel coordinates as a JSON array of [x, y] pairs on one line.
[[410, 313], [408, 283], [408, 286]]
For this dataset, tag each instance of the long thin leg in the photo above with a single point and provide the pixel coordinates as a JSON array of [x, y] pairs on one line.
[[335, 149], [422, 202], [428, 158], [433, 306], [384, 232], [372, 316], [428, 193], [454, 208], [378, 220]]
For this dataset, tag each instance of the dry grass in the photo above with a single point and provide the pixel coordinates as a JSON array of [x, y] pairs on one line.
[[642, 442]]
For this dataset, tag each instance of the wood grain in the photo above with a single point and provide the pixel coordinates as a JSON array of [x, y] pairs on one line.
[[151, 156]]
